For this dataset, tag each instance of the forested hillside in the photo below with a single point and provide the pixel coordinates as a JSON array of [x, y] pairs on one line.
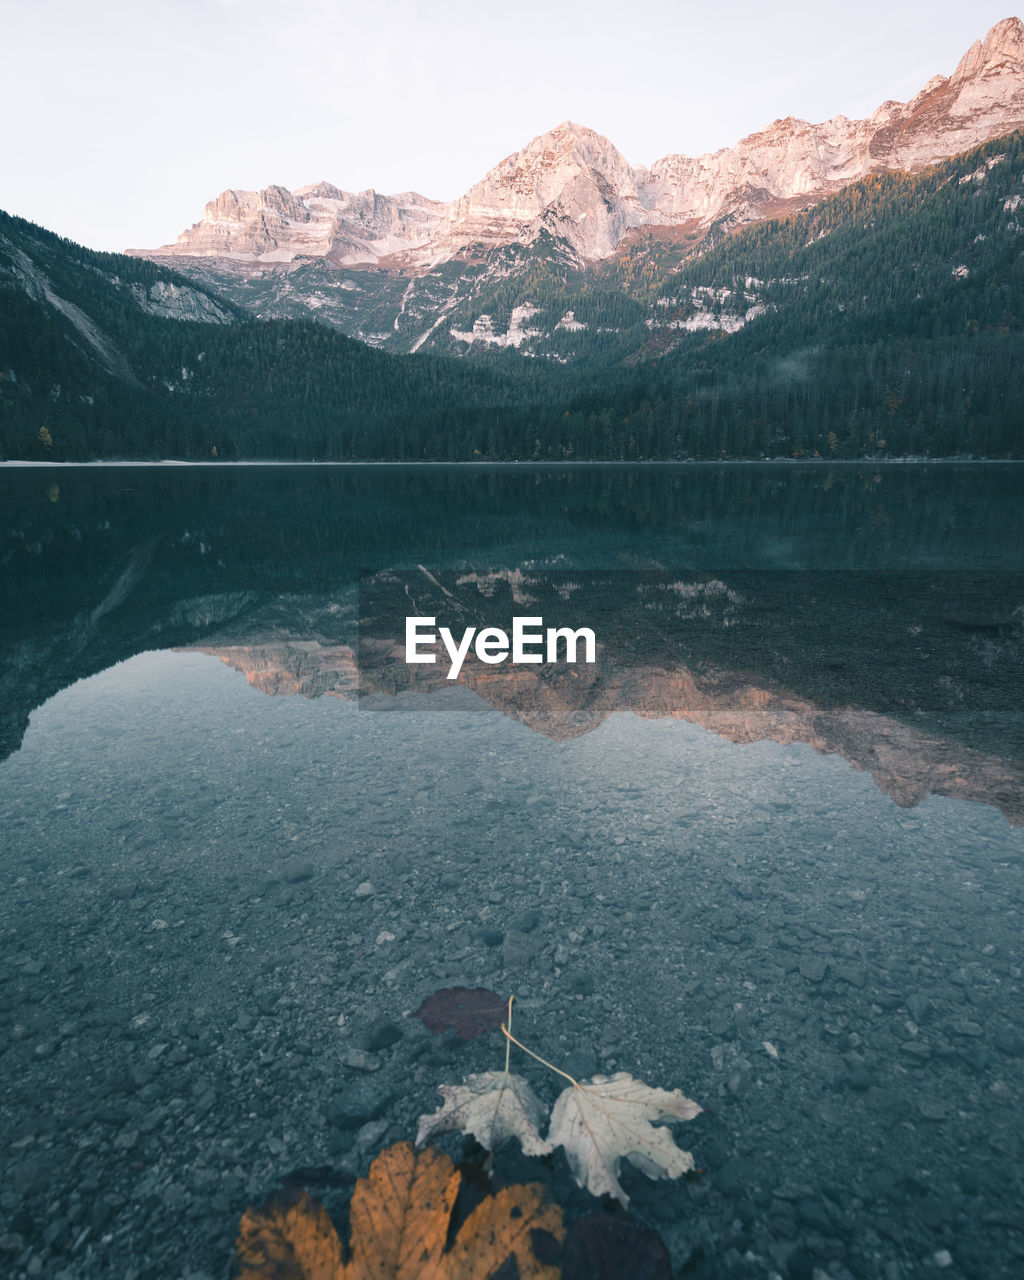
[[886, 321], [103, 355]]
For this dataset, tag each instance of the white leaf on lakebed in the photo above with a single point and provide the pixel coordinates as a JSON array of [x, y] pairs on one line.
[[492, 1106], [605, 1120]]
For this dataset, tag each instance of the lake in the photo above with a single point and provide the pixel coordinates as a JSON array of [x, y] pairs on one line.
[[766, 849]]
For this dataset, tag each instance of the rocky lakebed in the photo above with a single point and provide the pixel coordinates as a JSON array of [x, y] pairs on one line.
[[213, 944]]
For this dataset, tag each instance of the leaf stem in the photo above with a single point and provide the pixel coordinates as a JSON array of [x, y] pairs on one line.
[[550, 1065], [508, 1042]]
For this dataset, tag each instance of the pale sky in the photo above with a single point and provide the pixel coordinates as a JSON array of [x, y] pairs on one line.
[[122, 118]]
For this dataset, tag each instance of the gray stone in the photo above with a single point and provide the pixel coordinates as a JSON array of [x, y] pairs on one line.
[[356, 1105], [520, 948], [382, 1034], [813, 968], [854, 974], [1010, 1041], [205, 1104], [918, 1006], [295, 871], [360, 1060]]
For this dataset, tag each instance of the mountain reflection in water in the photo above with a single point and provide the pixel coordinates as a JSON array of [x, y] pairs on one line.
[[218, 910], [661, 645], [878, 613]]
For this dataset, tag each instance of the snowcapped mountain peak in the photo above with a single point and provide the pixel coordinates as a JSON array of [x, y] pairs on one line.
[[573, 183]]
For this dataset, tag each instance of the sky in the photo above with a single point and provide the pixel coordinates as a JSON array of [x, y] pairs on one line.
[[122, 118]]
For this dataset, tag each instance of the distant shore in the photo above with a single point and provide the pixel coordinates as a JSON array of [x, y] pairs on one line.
[[536, 463]]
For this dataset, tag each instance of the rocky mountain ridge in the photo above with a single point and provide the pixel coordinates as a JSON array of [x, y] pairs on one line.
[[575, 185]]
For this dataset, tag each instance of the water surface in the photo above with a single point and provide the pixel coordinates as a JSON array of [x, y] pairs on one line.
[[767, 851]]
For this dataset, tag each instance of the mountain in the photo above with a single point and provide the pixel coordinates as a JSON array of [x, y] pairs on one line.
[[792, 160], [848, 289], [884, 321], [392, 270], [103, 355], [277, 225]]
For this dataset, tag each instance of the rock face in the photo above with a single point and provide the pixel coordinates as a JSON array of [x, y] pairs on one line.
[[792, 159], [574, 184], [179, 302], [276, 225], [570, 181]]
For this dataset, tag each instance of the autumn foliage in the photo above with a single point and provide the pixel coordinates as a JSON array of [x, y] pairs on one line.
[[401, 1216]]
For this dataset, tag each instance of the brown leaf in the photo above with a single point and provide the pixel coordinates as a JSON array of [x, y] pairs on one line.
[[503, 1225], [470, 1012], [289, 1238], [400, 1214], [400, 1218]]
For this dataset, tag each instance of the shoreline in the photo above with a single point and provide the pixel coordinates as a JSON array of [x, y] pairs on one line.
[[532, 463]]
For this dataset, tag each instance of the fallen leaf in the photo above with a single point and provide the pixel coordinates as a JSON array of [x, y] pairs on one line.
[[289, 1238], [469, 1012], [515, 1223], [604, 1121], [400, 1213], [492, 1106], [400, 1219]]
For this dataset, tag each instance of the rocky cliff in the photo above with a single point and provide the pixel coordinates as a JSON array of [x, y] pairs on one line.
[[319, 221], [574, 184]]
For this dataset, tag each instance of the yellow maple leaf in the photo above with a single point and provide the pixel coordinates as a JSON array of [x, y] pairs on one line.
[[400, 1218]]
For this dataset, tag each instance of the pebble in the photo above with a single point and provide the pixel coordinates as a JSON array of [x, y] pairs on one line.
[[382, 1034], [813, 968], [356, 1105], [365, 889], [855, 975], [919, 1007], [361, 1060], [1010, 1042], [520, 948], [526, 921], [296, 872]]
